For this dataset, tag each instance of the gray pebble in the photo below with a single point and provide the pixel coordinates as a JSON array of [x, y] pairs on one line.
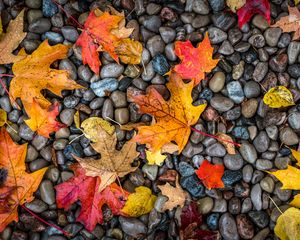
[[47, 192], [216, 150], [155, 45], [228, 228], [67, 116], [103, 86], [288, 136], [111, 70], [233, 161], [221, 104], [70, 33], [248, 152], [132, 226], [256, 197], [235, 91], [272, 36], [40, 26]]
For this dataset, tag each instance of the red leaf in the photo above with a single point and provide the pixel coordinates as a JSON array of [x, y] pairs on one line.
[[85, 189], [251, 8], [191, 220], [211, 175]]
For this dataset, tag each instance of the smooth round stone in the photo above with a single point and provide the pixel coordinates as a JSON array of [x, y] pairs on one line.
[[220, 205], [216, 83], [249, 108], [216, 150], [263, 164], [217, 5], [251, 89], [279, 62], [230, 177], [32, 153], [233, 161], [155, 45], [282, 194], [40, 26], [150, 171], [168, 34], [108, 109], [235, 91], [193, 185], [160, 64], [205, 205], [293, 51], [47, 192], [49, 8], [221, 104], [216, 35], [226, 48], [260, 22], [272, 36], [153, 8], [148, 72], [234, 35], [71, 101], [248, 152], [132, 226], [201, 7], [259, 218], [185, 169], [53, 37], [111, 70], [66, 116], [257, 40], [33, 15], [52, 174], [39, 142], [122, 115], [152, 23], [223, 20], [234, 205], [245, 227], [66, 64], [246, 205], [25, 132], [260, 71], [261, 142], [256, 197], [241, 133], [267, 184], [70, 33], [288, 136], [228, 228], [294, 120], [170, 52], [119, 99], [33, 3], [60, 144], [100, 88], [200, 21], [212, 221]]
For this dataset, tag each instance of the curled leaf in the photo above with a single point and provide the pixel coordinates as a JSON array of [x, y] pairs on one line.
[[77, 119], [229, 146], [278, 97], [129, 51]]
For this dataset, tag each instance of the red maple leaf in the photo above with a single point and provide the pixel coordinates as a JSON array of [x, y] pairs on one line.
[[211, 175], [195, 61], [191, 220], [251, 8], [85, 189]]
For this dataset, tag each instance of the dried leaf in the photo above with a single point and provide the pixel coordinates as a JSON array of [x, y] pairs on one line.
[[173, 117], [287, 225], [3, 117], [289, 177], [278, 97], [229, 146], [93, 125], [12, 157], [251, 8], [10, 40], [290, 23], [129, 51], [211, 175], [195, 62], [113, 163], [43, 121], [33, 74], [139, 203], [234, 5], [176, 195], [85, 189], [6, 200], [155, 158]]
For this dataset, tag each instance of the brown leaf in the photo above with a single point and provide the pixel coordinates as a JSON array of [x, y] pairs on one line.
[[129, 51], [229, 146]]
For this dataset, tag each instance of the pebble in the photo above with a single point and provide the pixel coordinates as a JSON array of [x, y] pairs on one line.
[[33, 3], [259, 218], [221, 104], [251, 89], [185, 169], [205, 205], [267, 184], [248, 152], [25, 132], [288, 136], [170, 53], [150, 171], [217, 5], [201, 7], [220, 205], [263, 164], [234, 206], [70, 33], [235, 91], [228, 228], [223, 20], [246, 205], [193, 185], [47, 192], [216, 35], [241, 132], [216, 150], [155, 45], [244, 226], [66, 116], [256, 197], [132, 226], [261, 142], [216, 83], [233, 161], [122, 115], [160, 64], [260, 71], [152, 23], [168, 34], [294, 120], [278, 63], [37, 206], [272, 36], [103, 86], [226, 48], [249, 108], [49, 8], [257, 40], [40, 26], [230, 177], [212, 221], [111, 70]]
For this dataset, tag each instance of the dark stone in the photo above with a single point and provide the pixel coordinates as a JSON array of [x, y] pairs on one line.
[[213, 221], [73, 149], [160, 64], [259, 218], [193, 185], [49, 8], [230, 177]]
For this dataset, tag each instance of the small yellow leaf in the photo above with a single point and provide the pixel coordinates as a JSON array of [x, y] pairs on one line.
[[155, 158], [77, 119], [93, 125], [3, 117], [287, 226], [289, 177], [139, 203], [296, 201], [229, 146], [278, 97], [129, 51], [296, 155], [235, 4]]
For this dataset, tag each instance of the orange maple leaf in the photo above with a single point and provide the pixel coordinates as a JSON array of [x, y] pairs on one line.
[[211, 175], [194, 61], [43, 121], [12, 157], [173, 117]]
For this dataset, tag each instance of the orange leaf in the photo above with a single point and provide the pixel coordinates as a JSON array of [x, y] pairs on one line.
[[211, 175], [195, 61], [173, 117], [33, 74], [43, 121], [12, 157]]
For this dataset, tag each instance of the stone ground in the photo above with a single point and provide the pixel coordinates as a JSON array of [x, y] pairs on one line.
[[252, 60]]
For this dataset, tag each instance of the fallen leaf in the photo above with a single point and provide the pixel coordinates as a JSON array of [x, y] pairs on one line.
[[139, 203], [234, 5], [6, 201], [190, 226], [1, 27], [195, 62], [169, 148], [3, 117], [10, 40], [93, 125], [289, 177], [85, 189], [229, 146], [77, 119], [290, 23], [297, 2], [251, 8], [173, 117], [155, 157], [211, 175], [278, 97], [33, 74], [176, 195], [43, 121], [12, 157], [287, 225], [113, 163], [296, 155], [296, 201], [129, 51], [131, 126]]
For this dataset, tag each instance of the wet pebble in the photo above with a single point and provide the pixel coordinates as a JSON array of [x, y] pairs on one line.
[[259, 218], [235, 91], [221, 104], [103, 86], [132, 226], [248, 152], [160, 64], [288, 136], [228, 228], [230, 177], [47, 192], [111, 70], [193, 185], [233, 161], [244, 226]]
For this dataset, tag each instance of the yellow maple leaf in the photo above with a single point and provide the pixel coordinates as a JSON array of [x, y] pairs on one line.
[[3, 117], [296, 155], [287, 225], [296, 201], [155, 157], [289, 177]]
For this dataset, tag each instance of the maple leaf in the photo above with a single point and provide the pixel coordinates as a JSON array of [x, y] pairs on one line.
[[287, 225], [176, 195], [33, 74], [211, 175], [194, 61], [296, 155], [43, 121], [12, 157], [3, 117], [155, 158], [227, 143], [251, 8], [85, 189], [290, 23], [5, 199], [113, 163], [11, 39], [191, 220], [129, 51], [173, 117]]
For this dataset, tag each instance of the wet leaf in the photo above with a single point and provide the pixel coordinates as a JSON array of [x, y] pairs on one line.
[[155, 158], [296, 201], [3, 117], [211, 175], [278, 97], [77, 119], [139, 203]]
